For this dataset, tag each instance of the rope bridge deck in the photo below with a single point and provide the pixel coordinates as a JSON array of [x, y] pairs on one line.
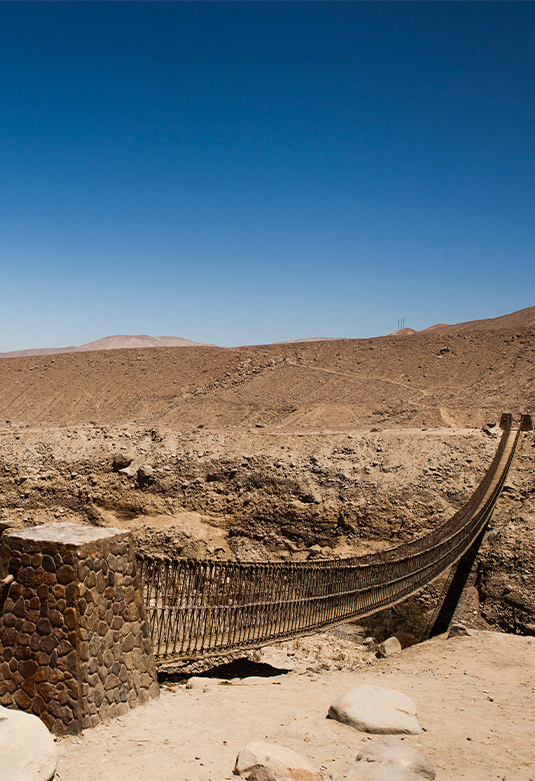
[[199, 608]]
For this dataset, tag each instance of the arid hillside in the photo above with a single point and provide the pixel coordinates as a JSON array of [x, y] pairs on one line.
[[289, 451], [452, 375]]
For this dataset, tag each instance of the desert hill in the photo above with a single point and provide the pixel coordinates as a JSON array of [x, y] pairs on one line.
[[118, 342], [455, 375], [125, 341], [523, 318], [312, 339]]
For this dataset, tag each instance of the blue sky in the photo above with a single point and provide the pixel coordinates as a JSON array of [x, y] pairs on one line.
[[241, 173]]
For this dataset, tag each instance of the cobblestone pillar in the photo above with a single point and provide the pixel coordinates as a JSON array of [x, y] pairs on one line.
[[74, 640]]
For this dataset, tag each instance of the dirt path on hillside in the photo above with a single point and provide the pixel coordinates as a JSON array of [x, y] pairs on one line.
[[473, 372], [474, 695]]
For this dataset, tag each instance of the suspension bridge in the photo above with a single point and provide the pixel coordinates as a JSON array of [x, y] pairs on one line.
[[198, 608]]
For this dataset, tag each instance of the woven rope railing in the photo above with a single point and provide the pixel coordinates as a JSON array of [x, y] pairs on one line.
[[199, 608]]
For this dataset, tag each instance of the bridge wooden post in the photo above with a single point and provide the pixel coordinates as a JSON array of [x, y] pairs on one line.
[[526, 423], [506, 420]]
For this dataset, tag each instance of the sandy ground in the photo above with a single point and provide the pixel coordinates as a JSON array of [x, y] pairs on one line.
[[475, 698]]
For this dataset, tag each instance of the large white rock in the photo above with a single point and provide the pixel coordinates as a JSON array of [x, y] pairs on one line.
[[376, 709], [389, 759], [27, 749], [271, 762]]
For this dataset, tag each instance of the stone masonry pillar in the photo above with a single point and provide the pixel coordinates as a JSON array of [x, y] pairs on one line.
[[74, 640]]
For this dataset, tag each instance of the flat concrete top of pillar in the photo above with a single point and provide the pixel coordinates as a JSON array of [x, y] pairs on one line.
[[66, 533]]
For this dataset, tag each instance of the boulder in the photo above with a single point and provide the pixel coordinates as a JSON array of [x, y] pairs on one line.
[[389, 647], [271, 762], [199, 683], [459, 630], [128, 471], [120, 461], [27, 749], [376, 709], [390, 758], [145, 473]]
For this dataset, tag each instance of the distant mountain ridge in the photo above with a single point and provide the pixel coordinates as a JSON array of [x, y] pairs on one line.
[[314, 339], [523, 318], [117, 342]]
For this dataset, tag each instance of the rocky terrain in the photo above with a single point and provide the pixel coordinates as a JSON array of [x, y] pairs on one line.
[[284, 451], [297, 451], [261, 494]]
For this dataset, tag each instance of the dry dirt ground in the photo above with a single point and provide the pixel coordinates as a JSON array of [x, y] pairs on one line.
[[453, 375], [475, 698], [273, 452]]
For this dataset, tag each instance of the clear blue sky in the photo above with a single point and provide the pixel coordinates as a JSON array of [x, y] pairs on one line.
[[250, 172]]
